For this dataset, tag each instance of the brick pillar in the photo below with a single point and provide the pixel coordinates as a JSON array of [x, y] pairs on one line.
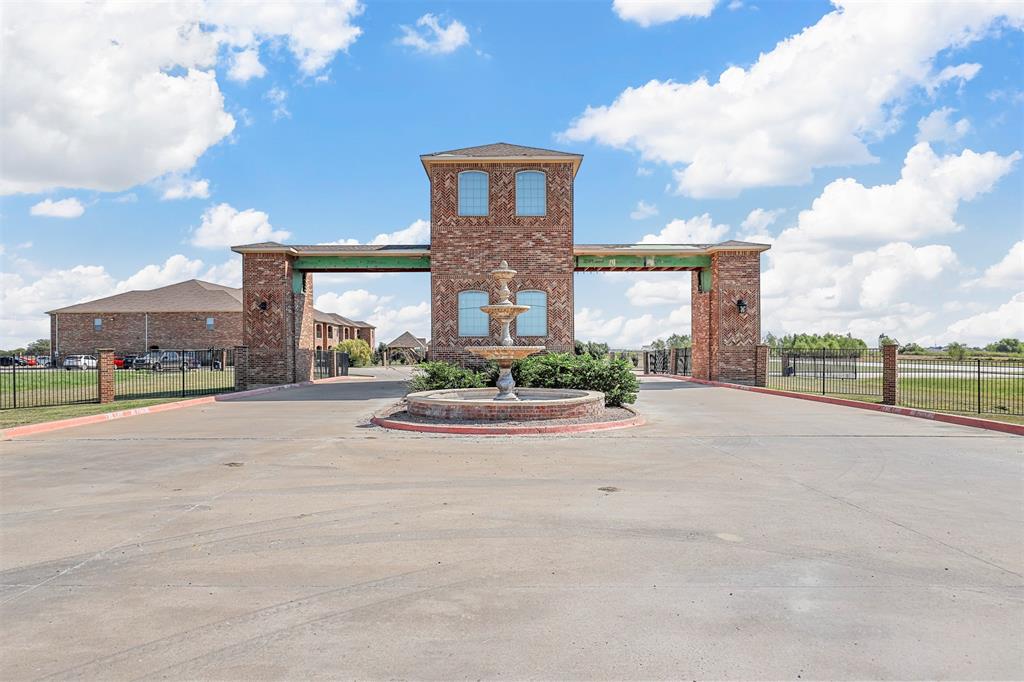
[[761, 375], [672, 352], [277, 319], [890, 374], [724, 338], [332, 363], [105, 367], [241, 368]]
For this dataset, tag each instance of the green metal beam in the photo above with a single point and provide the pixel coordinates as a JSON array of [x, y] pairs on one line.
[[630, 262], [705, 279], [362, 263]]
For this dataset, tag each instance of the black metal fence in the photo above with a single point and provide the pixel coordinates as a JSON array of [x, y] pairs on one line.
[[175, 373], [322, 364], [684, 361], [948, 385], [151, 374], [854, 372], [44, 386]]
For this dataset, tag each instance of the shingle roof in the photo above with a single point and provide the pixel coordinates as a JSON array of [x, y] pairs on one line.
[[499, 150], [192, 295], [407, 340], [380, 249]]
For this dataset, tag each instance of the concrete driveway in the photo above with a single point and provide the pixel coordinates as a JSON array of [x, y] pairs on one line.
[[747, 536]]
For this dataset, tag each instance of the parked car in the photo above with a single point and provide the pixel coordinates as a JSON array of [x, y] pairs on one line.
[[11, 361], [28, 360], [128, 361], [162, 360], [43, 361], [79, 362], [118, 363]]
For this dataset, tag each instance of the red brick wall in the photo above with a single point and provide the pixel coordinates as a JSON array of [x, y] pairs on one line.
[[730, 350], [73, 333], [280, 338], [464, 249]]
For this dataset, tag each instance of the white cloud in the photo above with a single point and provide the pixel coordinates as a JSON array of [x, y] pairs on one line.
[[178, 187], [643, 210], [391, 322], [175, 269], [697, 230], [417, 233], [668, 289], [354, 304], [921, 203], [108, 95], [643, 171], [651, 12], [245, 65], [760, 219], [431, 37], [223, 225], [65, 208], [630, 332], [129, 198], [937, 127], [816, 100], [279, 98], [1005, 321], [1007, 273]]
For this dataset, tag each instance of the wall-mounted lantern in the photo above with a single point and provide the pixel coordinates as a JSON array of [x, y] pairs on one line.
[[741, 306], [263, 305]]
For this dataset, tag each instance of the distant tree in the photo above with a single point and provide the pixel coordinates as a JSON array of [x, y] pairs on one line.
[[828, 341], [359, 354], [378, 354], [1007, 345], [679, 341], [771, 340], [884, 340], [911, 348], [38, 347], [657, 344], [956, 350], [594, 349]]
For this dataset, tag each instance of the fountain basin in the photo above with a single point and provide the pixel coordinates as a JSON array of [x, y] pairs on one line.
[[478, 404]]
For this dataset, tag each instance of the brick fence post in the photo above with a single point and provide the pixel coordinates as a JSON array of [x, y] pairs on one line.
[[761, 365], [890, 374], [332, 365], [672, 360], [241, 368], [105, 368]]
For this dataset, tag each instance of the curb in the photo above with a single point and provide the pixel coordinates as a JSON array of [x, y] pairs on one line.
[[46, 427], [959, 420], [468, 430]]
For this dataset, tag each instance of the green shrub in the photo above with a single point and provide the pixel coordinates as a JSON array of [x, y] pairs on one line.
[[359, 353], [614, 378], [434, 376]]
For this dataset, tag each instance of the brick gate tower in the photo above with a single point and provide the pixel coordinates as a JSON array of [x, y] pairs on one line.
[[492, 203]]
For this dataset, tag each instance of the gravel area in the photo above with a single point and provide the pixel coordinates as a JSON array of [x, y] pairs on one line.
[[610, 414]]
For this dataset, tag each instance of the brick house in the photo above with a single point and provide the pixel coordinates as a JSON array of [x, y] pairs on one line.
[[188, 315], [330, 329]]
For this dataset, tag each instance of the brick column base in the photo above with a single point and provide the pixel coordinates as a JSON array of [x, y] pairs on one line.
[[105, 368], [890, 375], [241, 368], [332, 364], [761, 366]]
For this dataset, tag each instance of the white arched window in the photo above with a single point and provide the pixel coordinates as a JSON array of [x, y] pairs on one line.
[[473, 188], [531, 193], [534, 322], [472, 320]]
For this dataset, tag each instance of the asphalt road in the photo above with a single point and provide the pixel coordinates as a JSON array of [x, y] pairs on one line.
[[737, 535]]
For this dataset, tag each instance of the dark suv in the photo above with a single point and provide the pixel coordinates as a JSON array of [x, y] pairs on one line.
[[161, 360]]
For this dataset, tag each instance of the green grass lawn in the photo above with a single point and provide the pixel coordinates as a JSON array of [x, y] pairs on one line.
[[1002, 399], [36, 415]]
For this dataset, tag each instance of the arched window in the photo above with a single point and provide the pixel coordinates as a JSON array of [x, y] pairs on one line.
[[534, 322], [472, 320], [473, 187], [531, 193]]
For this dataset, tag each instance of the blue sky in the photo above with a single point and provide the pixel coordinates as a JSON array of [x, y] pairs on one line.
[[139, 142]]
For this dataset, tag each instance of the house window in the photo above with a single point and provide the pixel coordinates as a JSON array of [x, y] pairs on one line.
[[97, 324], [472, 320], [531, 193], [534, 322], [473, 187], [209, 324], [319, 332], [330, 332]]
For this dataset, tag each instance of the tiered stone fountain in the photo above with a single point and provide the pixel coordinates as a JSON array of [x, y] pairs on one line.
[[505, 403]]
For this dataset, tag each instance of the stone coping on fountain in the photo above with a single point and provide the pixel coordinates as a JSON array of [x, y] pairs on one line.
[[478, 404]]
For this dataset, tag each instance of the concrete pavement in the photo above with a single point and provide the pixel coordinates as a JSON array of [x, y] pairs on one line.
[[746, 536]]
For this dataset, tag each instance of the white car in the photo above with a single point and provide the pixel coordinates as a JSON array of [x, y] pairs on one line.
[[79, 362]]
